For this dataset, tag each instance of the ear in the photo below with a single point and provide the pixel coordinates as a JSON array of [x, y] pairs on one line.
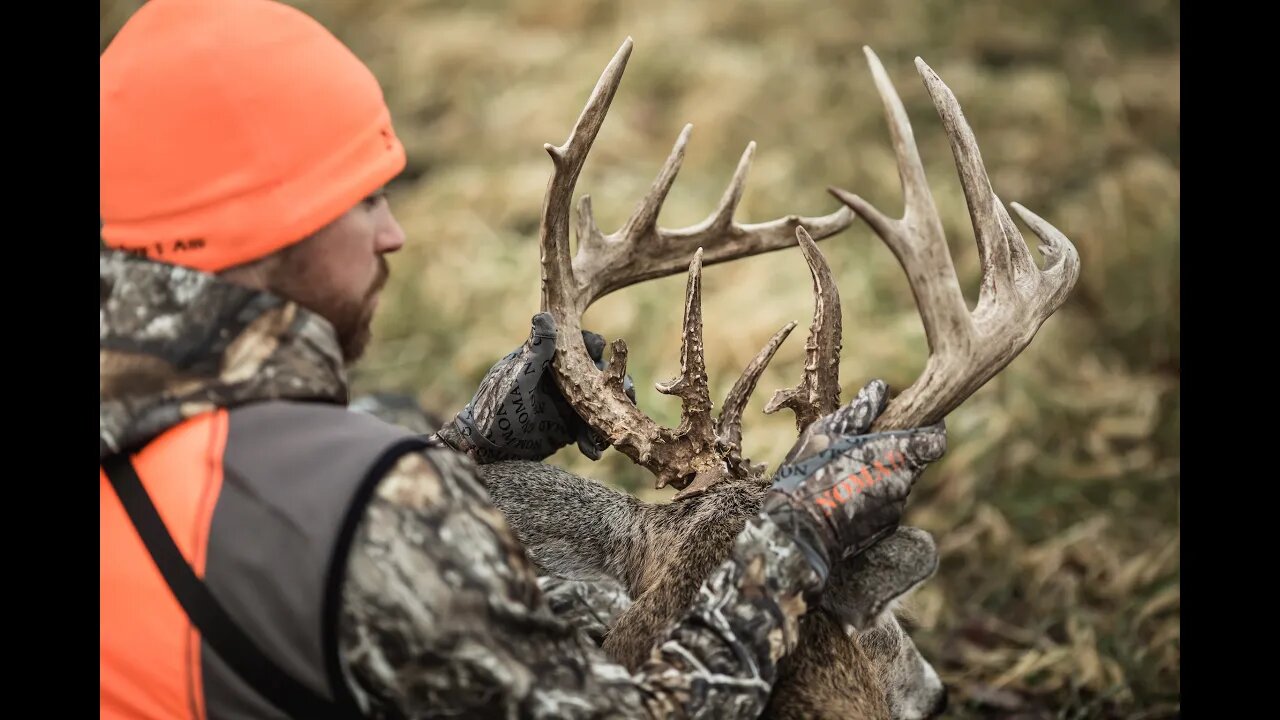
[[864, 586]]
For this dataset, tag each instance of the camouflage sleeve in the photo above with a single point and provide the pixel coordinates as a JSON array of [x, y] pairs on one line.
[[590, 606], [442, 615]]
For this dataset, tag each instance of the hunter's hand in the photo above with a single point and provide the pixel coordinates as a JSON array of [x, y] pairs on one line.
[[841, 489], [518, 413]]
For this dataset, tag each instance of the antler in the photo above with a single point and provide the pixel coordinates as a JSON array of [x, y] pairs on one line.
[[819, 391], [699, 452], [1016, 297]]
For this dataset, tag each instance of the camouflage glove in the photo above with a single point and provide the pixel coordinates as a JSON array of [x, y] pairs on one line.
[[840, 490], [518, 413]]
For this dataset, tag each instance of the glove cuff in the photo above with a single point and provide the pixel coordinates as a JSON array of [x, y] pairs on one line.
[[451, 435], [811, 535], [462, 435]]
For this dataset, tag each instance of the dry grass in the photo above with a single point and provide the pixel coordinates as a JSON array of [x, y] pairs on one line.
[[1056, 509]]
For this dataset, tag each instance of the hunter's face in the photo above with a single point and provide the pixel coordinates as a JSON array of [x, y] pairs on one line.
[[339, 271]]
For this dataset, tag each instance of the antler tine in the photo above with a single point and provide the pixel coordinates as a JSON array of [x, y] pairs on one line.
[[588, 232], [1062, 262], [691, 386], [993, 247], [819, 391], [735, 403], [1015, 297], [645, 219], [722, 218], [557, 270], [1021, 265]]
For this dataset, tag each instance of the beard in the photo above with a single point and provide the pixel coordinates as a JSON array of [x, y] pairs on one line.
[[351, 318], [353, 321]]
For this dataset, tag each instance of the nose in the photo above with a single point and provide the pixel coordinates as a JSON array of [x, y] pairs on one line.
[[390, 234]]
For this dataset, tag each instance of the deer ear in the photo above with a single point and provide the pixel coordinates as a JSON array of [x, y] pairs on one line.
[[864, 586]]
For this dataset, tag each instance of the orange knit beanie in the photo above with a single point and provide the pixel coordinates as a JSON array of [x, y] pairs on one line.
[[233, 128]]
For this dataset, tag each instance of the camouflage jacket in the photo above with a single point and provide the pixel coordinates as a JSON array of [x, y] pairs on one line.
[[442, 613]]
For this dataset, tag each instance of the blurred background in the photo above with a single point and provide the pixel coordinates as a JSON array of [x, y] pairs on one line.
[[1056, 510]]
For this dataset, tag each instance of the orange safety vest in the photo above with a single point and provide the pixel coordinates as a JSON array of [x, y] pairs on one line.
[[260, 504]]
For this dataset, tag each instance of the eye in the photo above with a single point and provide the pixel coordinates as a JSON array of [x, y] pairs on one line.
[[372, 200]]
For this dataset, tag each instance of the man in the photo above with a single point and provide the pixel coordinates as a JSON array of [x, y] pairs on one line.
[[265, 551]]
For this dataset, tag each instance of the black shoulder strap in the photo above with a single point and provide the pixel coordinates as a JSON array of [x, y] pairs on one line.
[[206, 613], [337, 573]]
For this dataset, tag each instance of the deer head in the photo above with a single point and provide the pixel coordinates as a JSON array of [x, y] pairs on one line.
[[855, 658]]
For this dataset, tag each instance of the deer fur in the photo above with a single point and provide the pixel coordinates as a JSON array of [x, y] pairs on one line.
[[853, 659]]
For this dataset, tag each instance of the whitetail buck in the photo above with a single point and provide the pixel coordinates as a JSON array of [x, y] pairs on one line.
[[853, 659]]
